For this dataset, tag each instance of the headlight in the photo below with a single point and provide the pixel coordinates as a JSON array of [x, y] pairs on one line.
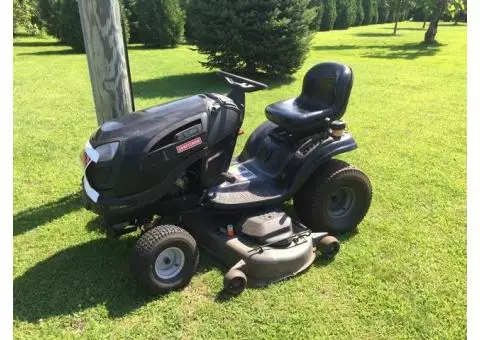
[[107, 151]]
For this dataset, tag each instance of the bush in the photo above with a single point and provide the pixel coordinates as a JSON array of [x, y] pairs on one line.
[[70, 27], [329, 16], [360, 14], [160, 22], [247, 35], [62, 20], [131, 20], [346, 14], [319, 7]]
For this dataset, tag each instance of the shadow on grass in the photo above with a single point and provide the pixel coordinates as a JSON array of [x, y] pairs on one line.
[[404, 28], [52, 52], [375, 35], [35, 217], [408, 51], [37, 43], [84, 276], [194, 83]]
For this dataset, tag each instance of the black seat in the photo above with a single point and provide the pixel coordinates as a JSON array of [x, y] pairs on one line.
[[325, 92]]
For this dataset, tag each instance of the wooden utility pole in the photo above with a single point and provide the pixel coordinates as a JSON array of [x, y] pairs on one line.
[[106, 55]]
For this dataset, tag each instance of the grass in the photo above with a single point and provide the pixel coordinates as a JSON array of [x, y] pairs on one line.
[[403, 275]]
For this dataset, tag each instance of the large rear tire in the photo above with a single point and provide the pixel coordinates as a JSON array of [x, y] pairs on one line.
[[165, 258], [335, 198]]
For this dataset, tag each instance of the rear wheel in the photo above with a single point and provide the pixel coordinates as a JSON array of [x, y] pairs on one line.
[[334, 199], [165, 258]]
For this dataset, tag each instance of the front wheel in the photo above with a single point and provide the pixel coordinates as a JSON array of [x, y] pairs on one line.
[[165, 258], [334, 199]]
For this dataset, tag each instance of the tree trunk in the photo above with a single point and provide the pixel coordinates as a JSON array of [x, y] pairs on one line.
[[251, 67], [106, 55], [424, 24], [432, 28], [395, 28]]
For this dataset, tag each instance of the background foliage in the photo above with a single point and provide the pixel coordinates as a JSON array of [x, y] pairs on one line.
[[246, 35]]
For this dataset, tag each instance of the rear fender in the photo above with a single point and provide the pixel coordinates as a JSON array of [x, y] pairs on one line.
[[302, 167]]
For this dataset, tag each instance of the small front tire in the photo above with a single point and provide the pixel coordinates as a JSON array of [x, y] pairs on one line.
[[328, 247], [234, 282], [165, 258]]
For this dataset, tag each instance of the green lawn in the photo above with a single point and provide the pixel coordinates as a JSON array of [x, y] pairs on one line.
[[403, 275]]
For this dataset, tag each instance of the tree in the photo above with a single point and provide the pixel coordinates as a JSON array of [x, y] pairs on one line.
[[368, 10], [383, 11], [61, 19], [129, 13], [25, 14], [346, 14], [431, 32], [329, 16], [374, 12], [360, 14], [399, 8], [319, 7], [248, 36], [455, 8], [160, 22]]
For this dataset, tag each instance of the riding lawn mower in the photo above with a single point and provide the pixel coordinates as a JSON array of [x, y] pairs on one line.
[[170, 171]]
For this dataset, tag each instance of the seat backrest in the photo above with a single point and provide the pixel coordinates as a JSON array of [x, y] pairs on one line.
[[327, 85]]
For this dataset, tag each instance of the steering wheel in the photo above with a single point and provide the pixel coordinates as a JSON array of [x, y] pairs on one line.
[[245, 84]]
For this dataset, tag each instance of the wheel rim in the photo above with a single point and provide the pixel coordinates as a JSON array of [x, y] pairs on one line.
[[341, 202], [169, 263], [236, 284]]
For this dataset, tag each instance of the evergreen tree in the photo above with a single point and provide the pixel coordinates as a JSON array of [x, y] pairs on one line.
[[247, 35], [346, 13], [319, 6], [160, 22], [61, 18], [374, 11], [383, 11], [329, 15], [360, 14], [368, 11]]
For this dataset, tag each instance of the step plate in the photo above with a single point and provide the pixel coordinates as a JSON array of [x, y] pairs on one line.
[[250, 187]]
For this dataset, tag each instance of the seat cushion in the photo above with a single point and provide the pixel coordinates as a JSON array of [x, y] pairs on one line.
[[290, 116]]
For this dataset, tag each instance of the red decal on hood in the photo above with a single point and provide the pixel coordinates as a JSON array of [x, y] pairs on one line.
[[188, 145]]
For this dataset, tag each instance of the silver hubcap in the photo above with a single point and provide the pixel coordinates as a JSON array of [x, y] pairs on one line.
[[341, 202], [169, 263]]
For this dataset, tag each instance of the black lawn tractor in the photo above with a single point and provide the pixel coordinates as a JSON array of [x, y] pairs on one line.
[[169, 170]]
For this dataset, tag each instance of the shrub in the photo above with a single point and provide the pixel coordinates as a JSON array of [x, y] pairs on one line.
[[360, 14], [346, 14], [329, 16], [130, 19], [62, 20], [247, 35], [160, 22]]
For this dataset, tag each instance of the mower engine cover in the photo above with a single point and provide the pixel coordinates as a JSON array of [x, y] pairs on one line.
[[136, 159]]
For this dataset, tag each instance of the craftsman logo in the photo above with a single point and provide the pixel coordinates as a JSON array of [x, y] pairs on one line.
[[188, 145]]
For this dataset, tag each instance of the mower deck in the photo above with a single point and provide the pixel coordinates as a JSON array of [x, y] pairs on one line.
[[263, 264]]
